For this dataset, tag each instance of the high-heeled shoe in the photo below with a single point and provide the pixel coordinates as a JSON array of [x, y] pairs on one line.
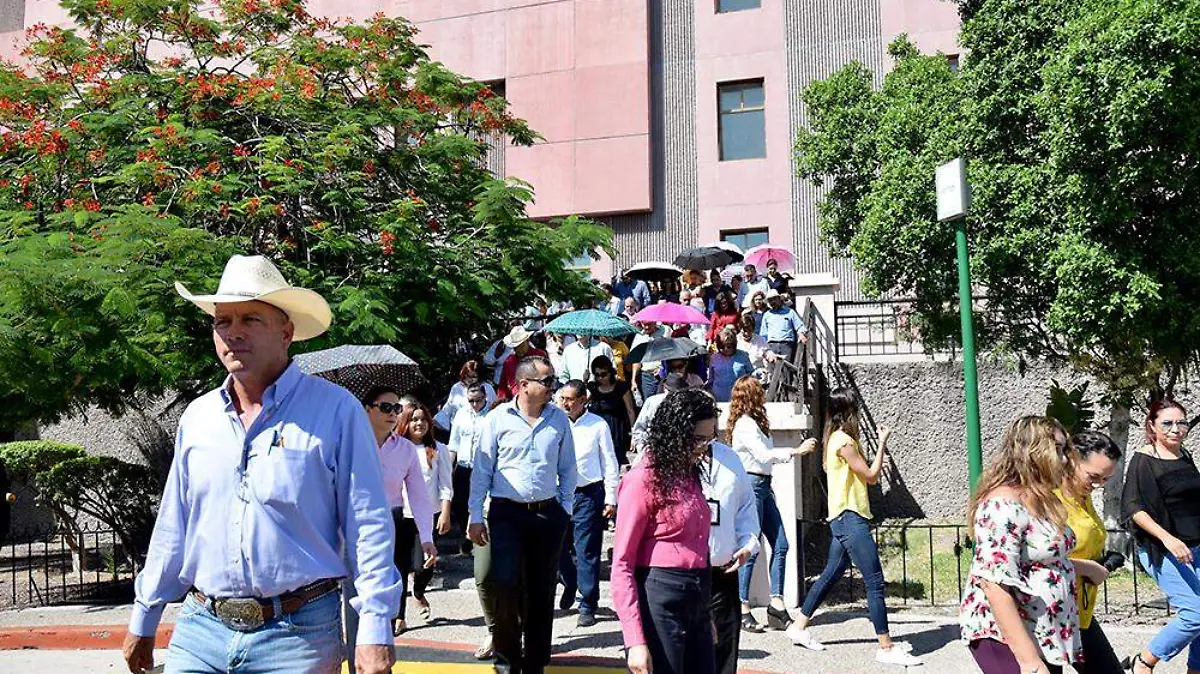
[[778, 619], [1131, 662]]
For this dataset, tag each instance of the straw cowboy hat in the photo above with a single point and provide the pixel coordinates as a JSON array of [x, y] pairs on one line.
[[517, 336], [252, 277]]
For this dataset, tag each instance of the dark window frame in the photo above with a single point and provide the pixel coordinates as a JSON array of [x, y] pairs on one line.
[[746, 232], [744, 85], [717, 7]]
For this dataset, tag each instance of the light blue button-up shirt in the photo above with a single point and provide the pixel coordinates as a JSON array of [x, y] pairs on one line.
[[781, 325], [311, 480], [521, 461]]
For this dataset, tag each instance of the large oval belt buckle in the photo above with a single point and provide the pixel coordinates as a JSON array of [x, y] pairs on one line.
[[242, 615]]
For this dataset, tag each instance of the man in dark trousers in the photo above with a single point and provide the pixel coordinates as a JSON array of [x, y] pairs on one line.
[[526, 463]]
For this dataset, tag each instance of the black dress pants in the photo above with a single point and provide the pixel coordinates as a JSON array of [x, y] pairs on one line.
[[726, 611], [675, 605], [526, 540]]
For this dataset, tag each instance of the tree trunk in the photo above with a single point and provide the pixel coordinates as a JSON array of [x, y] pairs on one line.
[[1118, 430]]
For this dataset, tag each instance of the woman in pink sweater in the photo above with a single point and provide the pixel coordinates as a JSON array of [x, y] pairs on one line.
[[660, 575]]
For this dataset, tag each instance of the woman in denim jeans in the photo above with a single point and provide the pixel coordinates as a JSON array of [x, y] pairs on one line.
[[851, 540], [1162, 501], [750, 437]]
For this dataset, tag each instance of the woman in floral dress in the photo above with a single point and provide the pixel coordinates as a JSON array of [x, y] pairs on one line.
[[1019, 613]]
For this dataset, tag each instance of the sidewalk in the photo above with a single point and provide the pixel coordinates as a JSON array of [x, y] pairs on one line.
[[87, 639]]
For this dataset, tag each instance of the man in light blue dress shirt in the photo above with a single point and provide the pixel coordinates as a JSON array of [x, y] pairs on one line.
[[525, 463], [781, 326], [274, 495]]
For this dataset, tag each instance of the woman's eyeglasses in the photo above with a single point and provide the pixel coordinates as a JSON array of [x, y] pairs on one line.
[[1170, 425], [388, 408]]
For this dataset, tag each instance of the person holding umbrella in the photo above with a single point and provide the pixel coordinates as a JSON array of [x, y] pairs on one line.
[[752, 283], [577, 358], [645, 373], [776, 281]]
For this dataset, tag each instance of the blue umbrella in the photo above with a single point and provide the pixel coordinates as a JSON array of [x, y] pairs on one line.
[[590, 323]]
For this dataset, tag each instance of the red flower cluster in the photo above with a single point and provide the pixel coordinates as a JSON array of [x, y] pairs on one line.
[[386, 241]]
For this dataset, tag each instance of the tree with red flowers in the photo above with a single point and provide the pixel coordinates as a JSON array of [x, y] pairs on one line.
[[158, 138]]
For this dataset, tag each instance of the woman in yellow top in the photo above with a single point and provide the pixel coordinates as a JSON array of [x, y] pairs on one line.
[[851, 540], [1095, 458]]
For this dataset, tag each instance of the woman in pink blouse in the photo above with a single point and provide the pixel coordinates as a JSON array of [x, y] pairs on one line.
[[399, 460], [660, 573]]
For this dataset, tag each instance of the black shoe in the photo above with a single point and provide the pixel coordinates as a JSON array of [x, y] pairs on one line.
[[568, 598], [749, 624], [778, 619], [586, 619]]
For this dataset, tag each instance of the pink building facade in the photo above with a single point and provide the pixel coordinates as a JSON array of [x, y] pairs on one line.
[[672, 121]]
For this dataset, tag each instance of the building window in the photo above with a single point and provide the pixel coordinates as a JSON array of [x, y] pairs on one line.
[[737, 5], [743, 133], [745, 238], [581, 262]]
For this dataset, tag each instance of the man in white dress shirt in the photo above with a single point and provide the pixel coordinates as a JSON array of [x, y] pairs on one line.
[[577, 358], [732, 540], [595, 501]]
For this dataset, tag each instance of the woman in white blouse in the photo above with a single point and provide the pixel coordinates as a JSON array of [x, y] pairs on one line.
[[750, 437], [416, 425], [468, 375]]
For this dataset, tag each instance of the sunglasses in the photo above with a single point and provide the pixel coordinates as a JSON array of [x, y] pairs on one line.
[[546, 381], [1181, 424], [389, 408]]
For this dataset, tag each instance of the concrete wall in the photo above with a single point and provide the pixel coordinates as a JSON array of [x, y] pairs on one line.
[[923, 403]]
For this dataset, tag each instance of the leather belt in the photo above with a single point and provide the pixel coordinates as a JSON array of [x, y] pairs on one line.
[[762, 475], [246, 614], [534, 506]]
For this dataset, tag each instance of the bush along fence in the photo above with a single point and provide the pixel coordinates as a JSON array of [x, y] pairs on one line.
[[927, 565], [84, 563]]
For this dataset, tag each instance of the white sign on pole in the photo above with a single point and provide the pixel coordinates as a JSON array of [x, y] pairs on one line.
[[953, 192]]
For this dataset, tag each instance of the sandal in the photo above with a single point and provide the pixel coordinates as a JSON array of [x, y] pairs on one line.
[[749, 624], [399, 627], [485, 651], [424, 609], [1130, 664]]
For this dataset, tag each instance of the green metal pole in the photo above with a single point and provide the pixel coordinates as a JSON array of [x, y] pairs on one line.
[[970, 374]]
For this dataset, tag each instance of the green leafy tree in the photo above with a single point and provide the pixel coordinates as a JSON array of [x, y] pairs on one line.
[[160, 137], [123, 496], [1078, 120]]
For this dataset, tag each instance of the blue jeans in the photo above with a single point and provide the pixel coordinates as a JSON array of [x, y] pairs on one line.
[[309, 640], [581, 570], [1179, 582], [851, 541], [771, 524]]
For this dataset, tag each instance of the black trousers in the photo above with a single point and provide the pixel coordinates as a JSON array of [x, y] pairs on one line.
[[462, 491], [675, 605], [726, 610], [520, 581], [407, 546], [1098, 654]]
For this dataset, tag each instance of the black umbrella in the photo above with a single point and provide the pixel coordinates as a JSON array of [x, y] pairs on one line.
[[665, 349], [358, 368], [704, 258]]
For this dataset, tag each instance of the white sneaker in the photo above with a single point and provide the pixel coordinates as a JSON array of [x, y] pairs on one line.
[[804, 638], [897, 655]]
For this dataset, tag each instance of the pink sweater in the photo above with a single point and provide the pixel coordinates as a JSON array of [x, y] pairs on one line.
[[674, 537]]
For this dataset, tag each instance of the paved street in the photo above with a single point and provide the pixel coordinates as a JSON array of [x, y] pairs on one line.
[[444, 645]]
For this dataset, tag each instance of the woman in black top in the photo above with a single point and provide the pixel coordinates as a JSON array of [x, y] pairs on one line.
[[611, 400], [1161, 503]]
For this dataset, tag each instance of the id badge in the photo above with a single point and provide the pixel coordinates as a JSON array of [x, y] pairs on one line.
[[714, 512]]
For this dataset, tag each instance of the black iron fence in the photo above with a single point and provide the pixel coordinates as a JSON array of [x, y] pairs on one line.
[[875, 328], [928, 565], [64, 565]]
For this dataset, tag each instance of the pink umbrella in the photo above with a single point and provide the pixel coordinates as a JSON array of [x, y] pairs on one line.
[[669, 312], [760, 255]]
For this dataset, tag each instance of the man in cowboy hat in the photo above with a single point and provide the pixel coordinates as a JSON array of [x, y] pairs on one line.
[[517, 339], [274, 495]]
